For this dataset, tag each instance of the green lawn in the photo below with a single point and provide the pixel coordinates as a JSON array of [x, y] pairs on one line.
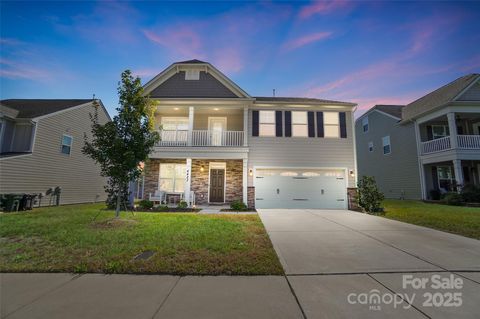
[[459, 220], [66, 239]]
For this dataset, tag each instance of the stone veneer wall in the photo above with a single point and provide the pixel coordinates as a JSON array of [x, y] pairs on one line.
[[234, 176], [152, 168], [251, 197], [352, 193]]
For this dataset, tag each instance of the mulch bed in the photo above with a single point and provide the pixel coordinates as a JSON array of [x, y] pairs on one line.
[[226, 210]]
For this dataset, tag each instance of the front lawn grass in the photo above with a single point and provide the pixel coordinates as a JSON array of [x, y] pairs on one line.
[[464, 221], [66, 239]]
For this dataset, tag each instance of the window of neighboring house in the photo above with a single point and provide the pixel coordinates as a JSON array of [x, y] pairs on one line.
[[22, 137], [386, 145], [331, 124], [267, 123], [172, 177], [299, 124], [445, 177], [439, 131], [365, 124], [174, 129], [192, 75], [67, 141], [370, 146]]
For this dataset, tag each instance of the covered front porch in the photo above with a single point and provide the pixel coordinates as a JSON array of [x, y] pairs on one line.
[[446, 176], [198, 182]]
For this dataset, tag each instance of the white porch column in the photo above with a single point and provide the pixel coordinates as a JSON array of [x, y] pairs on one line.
[[245, 181], [452, 127], [245, 126], [457, 168], [421, 167], [190, 125], [188, 181]]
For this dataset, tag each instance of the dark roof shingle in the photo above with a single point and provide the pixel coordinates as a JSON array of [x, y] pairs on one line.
[[297, 100], [394, 110], [439, 97], [31, 108]]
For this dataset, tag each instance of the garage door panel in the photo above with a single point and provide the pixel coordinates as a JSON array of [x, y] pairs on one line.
[[301, 189]]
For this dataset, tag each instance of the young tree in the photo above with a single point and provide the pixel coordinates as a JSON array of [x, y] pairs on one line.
[[121, 144]]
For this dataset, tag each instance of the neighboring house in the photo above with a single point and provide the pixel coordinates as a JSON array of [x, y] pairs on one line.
[[440, 132], [41, 147], [219, 144]]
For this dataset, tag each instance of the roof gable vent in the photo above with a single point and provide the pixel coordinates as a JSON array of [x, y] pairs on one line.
[[192, 75]]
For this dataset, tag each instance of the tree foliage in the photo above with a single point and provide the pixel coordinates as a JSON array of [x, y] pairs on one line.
[[369, 197], [121, 144]]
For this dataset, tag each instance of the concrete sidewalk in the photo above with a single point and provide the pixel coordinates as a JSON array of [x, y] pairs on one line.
[[69, 296]]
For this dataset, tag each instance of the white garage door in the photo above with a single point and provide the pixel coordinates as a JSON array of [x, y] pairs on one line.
[[300, 188]]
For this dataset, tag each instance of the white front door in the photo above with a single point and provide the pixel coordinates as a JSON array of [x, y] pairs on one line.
[[216, 127]]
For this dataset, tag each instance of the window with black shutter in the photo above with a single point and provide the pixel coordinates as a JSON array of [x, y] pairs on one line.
[[254, 123], [311, 124], [343, 124], [278, 124], [320, 132], [288, 123]]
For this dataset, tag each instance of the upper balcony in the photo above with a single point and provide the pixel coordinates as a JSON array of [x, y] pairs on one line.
[[452, 131], [202, 126]]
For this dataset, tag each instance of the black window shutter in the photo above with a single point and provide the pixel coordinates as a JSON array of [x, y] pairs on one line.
[[343, 124], [278, 124], [429, 132], [288, 123], [435, 177], [320, 124], [255, 123], [311, 124]]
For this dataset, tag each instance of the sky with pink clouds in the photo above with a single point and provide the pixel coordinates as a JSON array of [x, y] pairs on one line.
[[367, 52]]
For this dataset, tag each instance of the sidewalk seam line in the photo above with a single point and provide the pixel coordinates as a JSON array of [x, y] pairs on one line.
[[166, 297], [295, 296]]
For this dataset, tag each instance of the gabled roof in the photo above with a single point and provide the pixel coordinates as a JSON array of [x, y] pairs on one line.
[[194, 61], [393, 110], [445, 94], [299, 100], [31, 108]]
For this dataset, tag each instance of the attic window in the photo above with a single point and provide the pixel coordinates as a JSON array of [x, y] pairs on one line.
[[192, 75]]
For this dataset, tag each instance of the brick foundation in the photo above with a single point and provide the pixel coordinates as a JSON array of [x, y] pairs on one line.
[[251, 197], [352, 193]]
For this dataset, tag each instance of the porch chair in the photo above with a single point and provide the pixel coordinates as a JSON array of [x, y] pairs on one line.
[[159, 196]]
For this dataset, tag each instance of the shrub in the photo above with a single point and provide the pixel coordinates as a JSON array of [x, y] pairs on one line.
[[369, 197], [145, 204], [238, 205], [182, 204], [161, 208], [454, 199], [471, 194], [435, 194]]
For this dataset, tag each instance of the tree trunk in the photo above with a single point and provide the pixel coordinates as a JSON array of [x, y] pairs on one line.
[[119, 202]]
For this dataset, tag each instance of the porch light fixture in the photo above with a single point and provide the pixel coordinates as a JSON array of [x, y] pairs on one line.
[[352, 174], [216, 109], [176, 108], [250, 172], [201, 169]]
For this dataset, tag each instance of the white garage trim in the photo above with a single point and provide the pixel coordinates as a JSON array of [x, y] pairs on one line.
[[298, 168]]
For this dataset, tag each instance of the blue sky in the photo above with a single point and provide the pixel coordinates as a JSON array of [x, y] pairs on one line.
[[368, 52]]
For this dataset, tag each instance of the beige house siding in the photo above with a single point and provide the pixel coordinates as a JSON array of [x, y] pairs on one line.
[[397, 174], [200, 120], [77, 175], [302, 151]]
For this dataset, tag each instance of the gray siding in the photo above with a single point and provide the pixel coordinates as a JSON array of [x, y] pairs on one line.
[[206, 87], [302, 152], [78, 176], [398, 172], [473, 94]]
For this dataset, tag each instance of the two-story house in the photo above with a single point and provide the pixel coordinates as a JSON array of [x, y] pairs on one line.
[[219, 144], [426, 147], [41, 148]]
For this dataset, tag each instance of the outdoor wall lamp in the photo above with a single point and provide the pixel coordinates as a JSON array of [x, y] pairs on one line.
[[352, 174], [250, 172], [201, 169]]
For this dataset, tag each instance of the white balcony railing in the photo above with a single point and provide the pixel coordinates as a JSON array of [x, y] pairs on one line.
[[471, 142], [437, 145], [202, 138]]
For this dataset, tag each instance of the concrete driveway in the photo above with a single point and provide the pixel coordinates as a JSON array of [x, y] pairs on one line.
[[330, 254]]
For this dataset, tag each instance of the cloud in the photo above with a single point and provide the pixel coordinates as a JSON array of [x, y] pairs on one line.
[[183, 41], [306, 39], [16, 70], [323, 8]]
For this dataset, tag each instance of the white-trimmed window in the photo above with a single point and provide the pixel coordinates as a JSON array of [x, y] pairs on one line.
[[172, 177], [299, 124], [445, 177], [365, 124], [174, 129], [192, 75], [331, 124], [67, 141], [386, 145], [370, 146], [267, 123], [439, 131]]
